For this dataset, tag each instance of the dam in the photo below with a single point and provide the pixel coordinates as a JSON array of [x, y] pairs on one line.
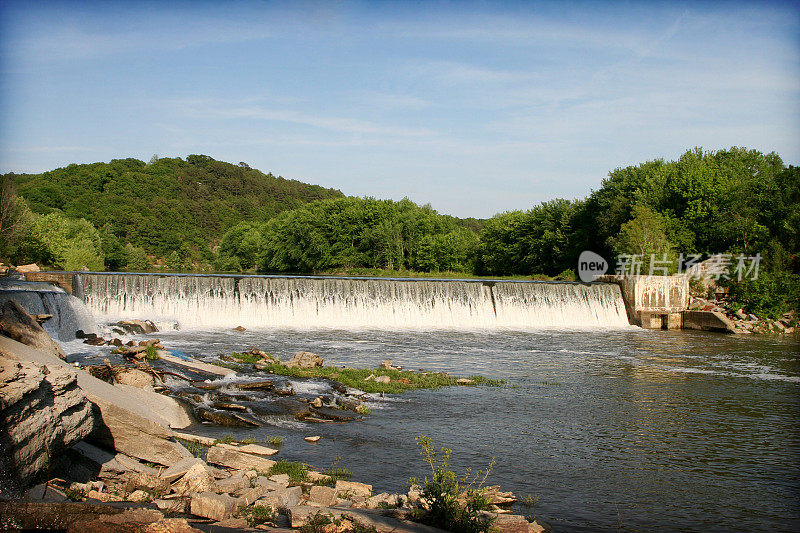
[[302, 302]]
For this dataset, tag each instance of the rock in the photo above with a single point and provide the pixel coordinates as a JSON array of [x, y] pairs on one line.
[[214, 506], [231, 484], [137, 327], [234, 523], [44, 493], [280, 479], [138, 496], [43, 412], [255, 449], [136, 480], [198, 479], [174, 505], [250, 495], [205, 441], [226, 418], [387, 364], [304, 360], [315, 438], [179, 469], [286, 497], [255, 385], [316, 402], [465, 381], [384, 499], [371, 377], [383, 379], [135, 378], [324, 496], [267, 484], [281, 406], [335, 414], [17, 324], [129, 463], [239, 328], [24, 269], [238, 460], [170, 525], [347, 488], [778, 325]]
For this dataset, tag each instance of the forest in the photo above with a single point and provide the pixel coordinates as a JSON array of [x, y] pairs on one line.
[[200, 214]]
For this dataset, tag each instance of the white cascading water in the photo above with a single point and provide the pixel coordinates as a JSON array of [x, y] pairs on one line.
[[69, 314], [345, 303]]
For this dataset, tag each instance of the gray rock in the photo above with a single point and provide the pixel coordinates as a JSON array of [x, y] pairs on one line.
[[198, 479], [45, 493], [129, 463], [231, 484], [135, 378], [124, 420], [43, 412], [347, 488], [285, 497], [324, 496], [304, 360], [180, 468], [214, 506], [238, 460], [17, 324], [250, 495]]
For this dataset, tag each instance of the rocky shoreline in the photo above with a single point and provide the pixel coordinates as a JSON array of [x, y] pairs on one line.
[[108, 457]]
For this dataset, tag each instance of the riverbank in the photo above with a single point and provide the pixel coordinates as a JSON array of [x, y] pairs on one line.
[[156, 477]]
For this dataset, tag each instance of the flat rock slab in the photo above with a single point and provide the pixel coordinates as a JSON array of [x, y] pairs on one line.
[[238, 460], [197, 365]]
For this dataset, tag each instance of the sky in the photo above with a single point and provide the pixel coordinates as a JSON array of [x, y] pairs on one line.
[[473, 107]]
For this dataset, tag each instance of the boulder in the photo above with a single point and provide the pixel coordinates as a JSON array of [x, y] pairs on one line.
[[315, 438], [231, 484], [250, 495], [280, 479], [177, 470], [136, 327], [383, 379], [17, 324], [347, 488], [304, 360], [212, 505], [239, 460], [286, 497], [135, 378], [321, 495], [43, 413], [131, 464], [138, 496], [198, 479], [24, 269]]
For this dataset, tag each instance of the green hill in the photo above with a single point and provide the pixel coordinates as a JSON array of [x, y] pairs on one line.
[[167, 204]]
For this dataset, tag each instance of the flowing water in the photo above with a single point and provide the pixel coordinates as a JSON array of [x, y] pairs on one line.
[[612, 427]]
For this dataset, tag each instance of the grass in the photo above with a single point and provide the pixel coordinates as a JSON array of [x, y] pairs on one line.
[[226, 439], [246, 357], [257, 514], [195, 448], [248, 440], [401, 380], [363, 409], [275, 441], [151, 354], [297, 471]]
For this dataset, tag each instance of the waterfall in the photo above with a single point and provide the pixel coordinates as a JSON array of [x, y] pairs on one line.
[[38, 298], [198, 301]]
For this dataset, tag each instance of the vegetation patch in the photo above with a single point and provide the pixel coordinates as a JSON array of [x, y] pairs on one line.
[[297, 471], [257, 514], [357, 378], [454, 502]]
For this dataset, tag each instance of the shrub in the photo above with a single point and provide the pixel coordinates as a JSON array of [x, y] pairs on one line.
[[257, 514], [150, 353], [452, 502], [768, 296], [275, 441]]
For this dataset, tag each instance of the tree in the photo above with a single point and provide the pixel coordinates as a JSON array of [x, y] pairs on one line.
[[644, 234], [12, 214]]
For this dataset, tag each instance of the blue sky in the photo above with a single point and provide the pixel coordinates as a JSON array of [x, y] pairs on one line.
[[475, 108]]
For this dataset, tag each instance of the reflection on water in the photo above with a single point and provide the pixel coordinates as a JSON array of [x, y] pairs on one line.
[[628, 430]]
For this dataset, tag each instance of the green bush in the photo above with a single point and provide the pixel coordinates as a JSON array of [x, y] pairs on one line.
[[452, 502], [257, 514], [768, 296], [297, 471]]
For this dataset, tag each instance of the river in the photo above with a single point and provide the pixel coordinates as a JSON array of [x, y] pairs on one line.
[[611, 429]]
